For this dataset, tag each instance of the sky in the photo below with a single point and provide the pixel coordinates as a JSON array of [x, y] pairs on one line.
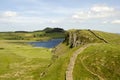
[[30, 15]]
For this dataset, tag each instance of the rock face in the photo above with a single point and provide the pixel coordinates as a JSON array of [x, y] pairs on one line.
[[72, 38], [75, 38]]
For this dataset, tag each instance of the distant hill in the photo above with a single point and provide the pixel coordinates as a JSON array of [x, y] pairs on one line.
[[21, 31], [39, 35], [52, 30]]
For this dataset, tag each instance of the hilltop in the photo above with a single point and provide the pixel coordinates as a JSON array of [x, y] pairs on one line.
[[39, 35]]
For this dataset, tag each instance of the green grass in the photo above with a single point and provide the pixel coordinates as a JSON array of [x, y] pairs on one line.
[[57, 70], [101, 59], [85, 36], [110, 37], [31, 36], [84, 70], [23, 62], [20, 61], [63, 53]]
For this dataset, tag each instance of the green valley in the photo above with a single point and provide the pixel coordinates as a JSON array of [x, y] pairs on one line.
[[83, 55]]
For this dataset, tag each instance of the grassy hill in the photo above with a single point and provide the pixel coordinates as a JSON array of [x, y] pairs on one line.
[[21, 61], [40, 35], [110, 37], [101, 59], [60, 60]]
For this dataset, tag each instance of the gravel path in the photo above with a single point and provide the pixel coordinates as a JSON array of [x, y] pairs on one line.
[[70, 67]]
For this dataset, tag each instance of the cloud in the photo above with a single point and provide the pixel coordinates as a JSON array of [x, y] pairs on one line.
[[105, 22], [116, 22], [9, 14], [13, 17], [102, 8], [54, 21], [94, 12], [23, 20], [81, 15]]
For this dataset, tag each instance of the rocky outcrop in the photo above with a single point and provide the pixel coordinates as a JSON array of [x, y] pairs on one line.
[[80, 37], [72, 38]]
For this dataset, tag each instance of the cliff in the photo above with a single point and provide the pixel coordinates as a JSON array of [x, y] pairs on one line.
[[80, 37]]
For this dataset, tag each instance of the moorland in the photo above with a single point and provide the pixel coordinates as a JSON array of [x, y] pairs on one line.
[[83, 55]]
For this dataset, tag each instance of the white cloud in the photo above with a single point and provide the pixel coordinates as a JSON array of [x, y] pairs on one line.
[[54, 21], [81, 15], [13, 17], [22, 20], [102, 8], [116, 22], [95, 12], [105, 22], [10, 14]]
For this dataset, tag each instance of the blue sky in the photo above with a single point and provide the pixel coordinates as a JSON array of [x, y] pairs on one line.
[[33, 15]]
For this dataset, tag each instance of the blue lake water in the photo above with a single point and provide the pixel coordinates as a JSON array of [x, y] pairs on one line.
[[48, 44]]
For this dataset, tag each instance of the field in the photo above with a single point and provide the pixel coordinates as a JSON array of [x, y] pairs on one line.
[[22, 62]]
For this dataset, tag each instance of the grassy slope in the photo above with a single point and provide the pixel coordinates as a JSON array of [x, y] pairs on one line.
[[87, 37], [22, 61], [101, 59], [110, 37], [34, 36], [57, 70]]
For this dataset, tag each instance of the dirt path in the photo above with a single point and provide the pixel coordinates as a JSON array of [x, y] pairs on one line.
[[70, 67]]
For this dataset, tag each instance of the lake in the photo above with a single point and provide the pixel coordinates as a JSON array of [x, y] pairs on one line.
[[48, 44]]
